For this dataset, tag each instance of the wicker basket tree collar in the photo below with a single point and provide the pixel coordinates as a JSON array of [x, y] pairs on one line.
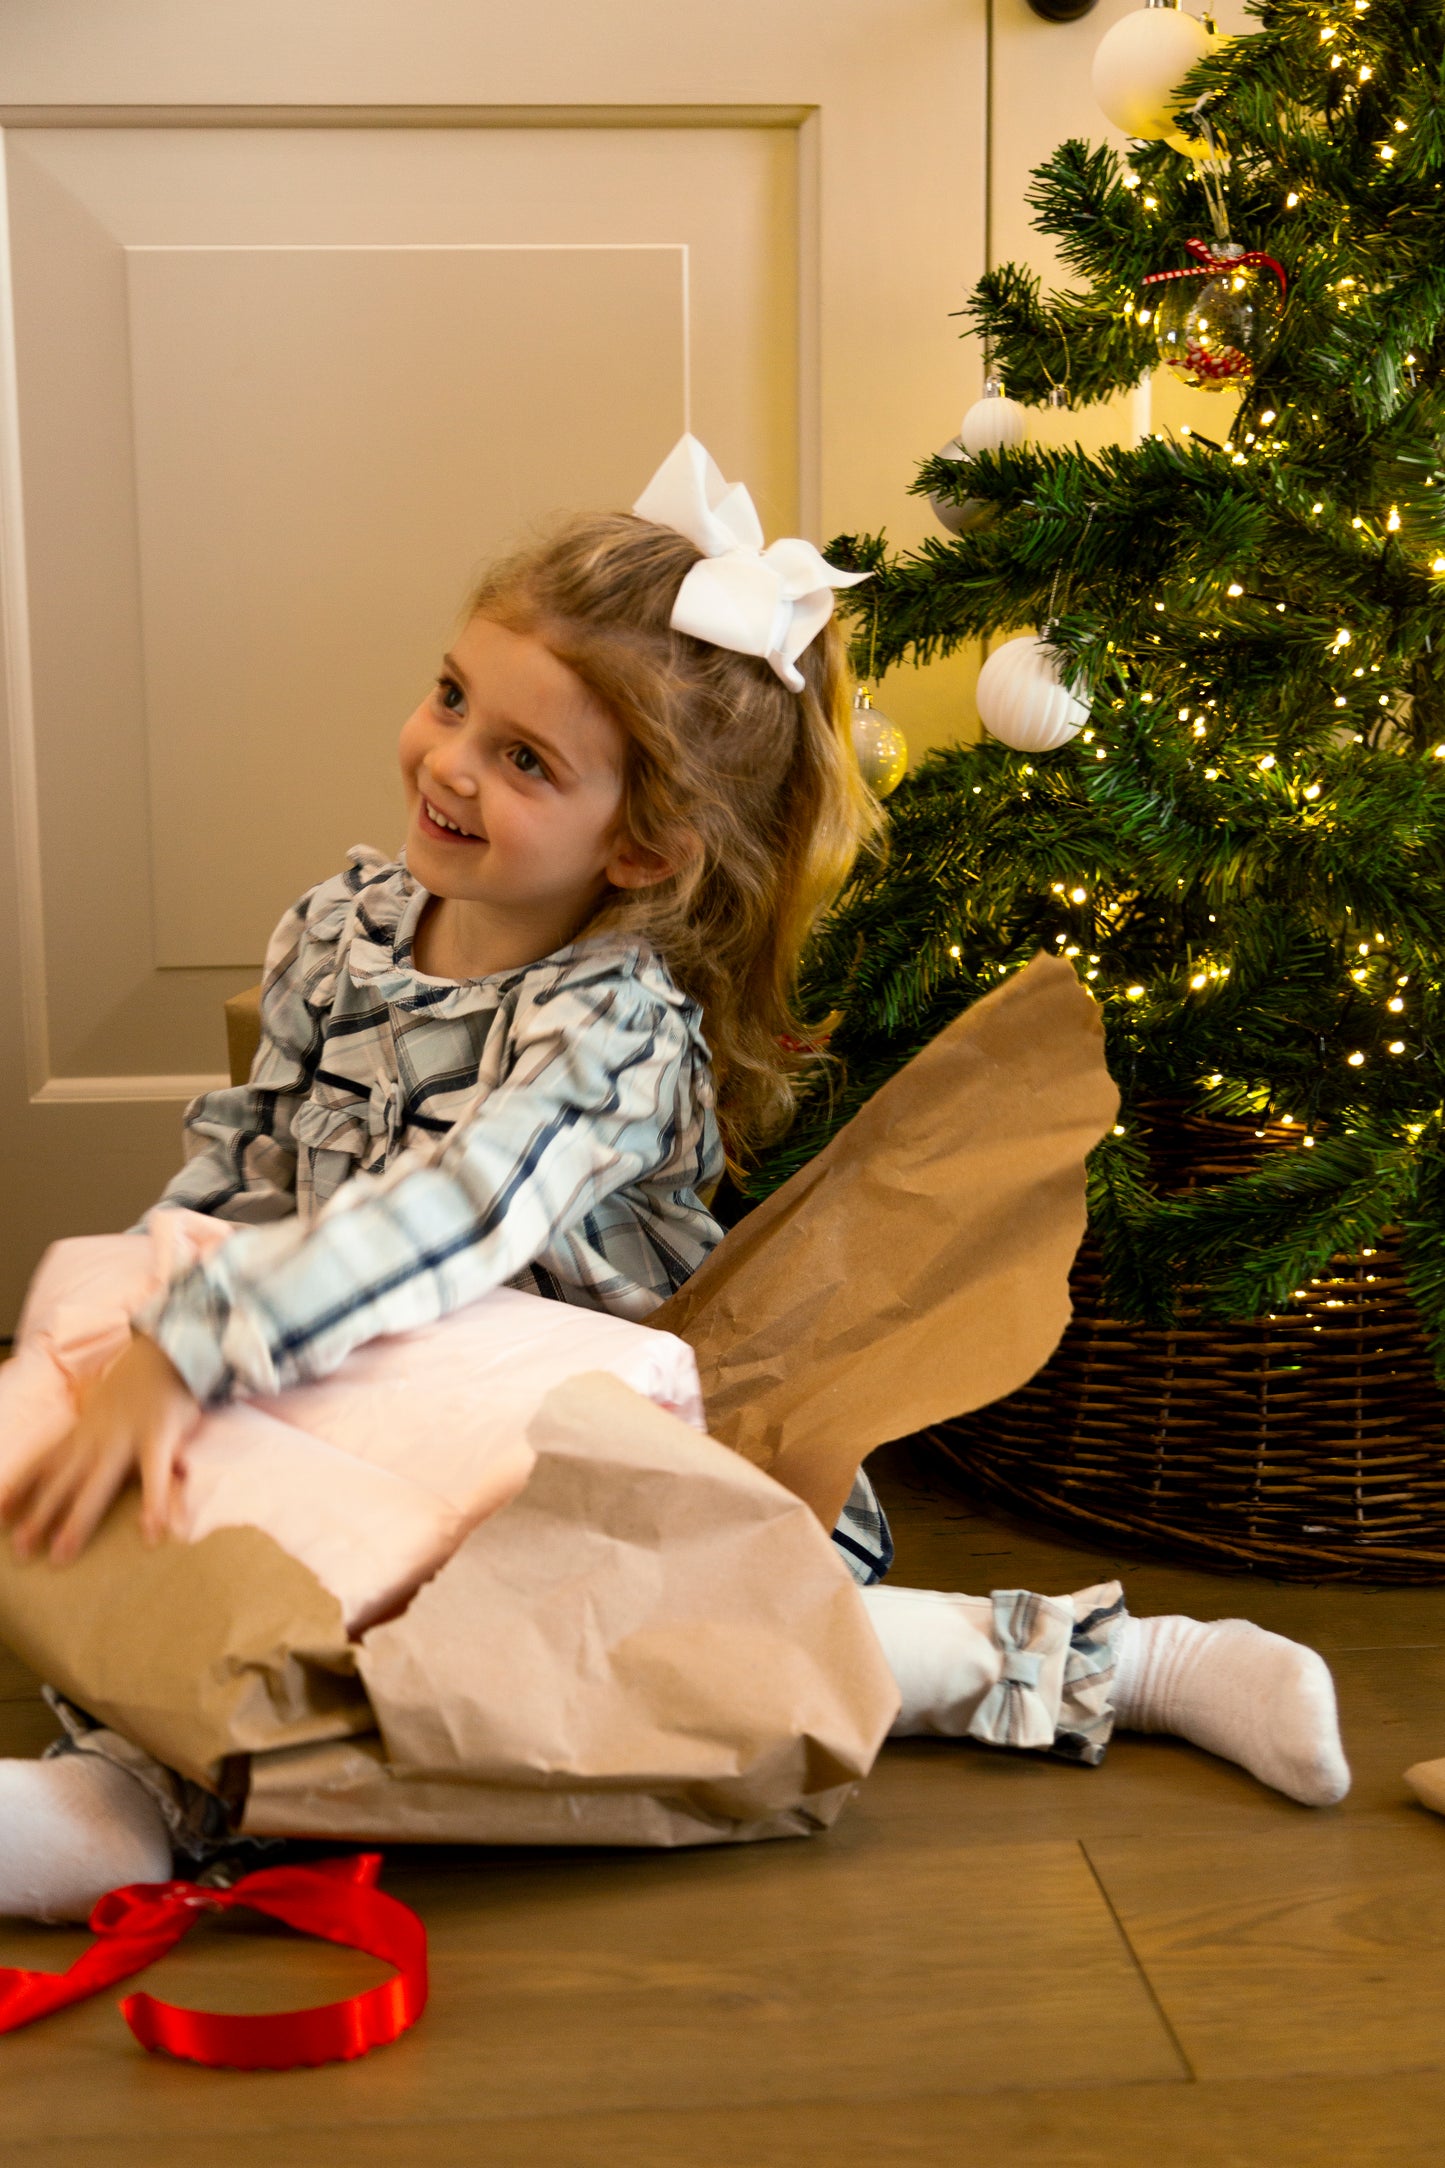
[[1307, 1442]]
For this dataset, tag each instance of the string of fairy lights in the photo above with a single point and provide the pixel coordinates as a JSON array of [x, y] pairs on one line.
[[1263, 439]]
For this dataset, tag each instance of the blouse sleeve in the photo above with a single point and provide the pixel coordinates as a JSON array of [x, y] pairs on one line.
[[587, 1106], [240, 1154]]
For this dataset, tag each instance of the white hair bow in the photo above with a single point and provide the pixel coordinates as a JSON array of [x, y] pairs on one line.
[[767, 602]]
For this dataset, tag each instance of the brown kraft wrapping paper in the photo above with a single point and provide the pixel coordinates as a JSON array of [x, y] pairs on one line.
[[918, 1268], [655, 1643], [652, 1645]]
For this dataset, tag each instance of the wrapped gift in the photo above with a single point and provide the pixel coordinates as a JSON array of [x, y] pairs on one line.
[[608, 1628]]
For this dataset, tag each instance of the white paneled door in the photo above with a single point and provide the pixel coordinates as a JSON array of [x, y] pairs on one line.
[[304, 313]]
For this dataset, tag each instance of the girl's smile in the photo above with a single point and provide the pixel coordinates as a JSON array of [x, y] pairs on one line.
[[446, 831]]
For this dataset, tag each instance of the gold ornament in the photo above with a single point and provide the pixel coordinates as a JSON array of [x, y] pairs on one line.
[[880, 745]]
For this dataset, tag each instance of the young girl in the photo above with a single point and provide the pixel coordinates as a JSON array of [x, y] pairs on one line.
[[519, 1054]]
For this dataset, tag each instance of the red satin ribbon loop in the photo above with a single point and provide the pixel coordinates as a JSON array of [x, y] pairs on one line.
[[336, 1899], [1210, 264]]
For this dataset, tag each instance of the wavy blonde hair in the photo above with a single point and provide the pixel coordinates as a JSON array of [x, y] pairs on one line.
[[750, 792]]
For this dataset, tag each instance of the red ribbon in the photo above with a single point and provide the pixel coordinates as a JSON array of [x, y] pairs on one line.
[[1211, 264], [335, 1898]]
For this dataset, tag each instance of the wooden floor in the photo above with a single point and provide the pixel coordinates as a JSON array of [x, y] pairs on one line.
[[990, 1960]]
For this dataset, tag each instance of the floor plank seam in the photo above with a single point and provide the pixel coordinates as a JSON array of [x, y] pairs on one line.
[[1191, 2074]]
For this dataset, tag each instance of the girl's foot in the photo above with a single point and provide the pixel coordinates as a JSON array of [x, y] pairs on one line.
[[72, 1828], [1249, 1696]]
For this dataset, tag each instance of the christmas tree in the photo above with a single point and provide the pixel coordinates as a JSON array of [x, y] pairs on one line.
[[1242, 846]]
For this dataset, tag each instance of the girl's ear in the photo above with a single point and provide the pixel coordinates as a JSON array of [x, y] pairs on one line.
[[633, 865]]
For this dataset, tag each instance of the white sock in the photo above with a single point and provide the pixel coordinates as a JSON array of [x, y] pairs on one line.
[[70, 1829], [1249, 1696]]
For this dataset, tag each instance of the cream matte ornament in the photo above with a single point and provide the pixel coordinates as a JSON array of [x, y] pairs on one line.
[[880, 745], [973, 512], [993, 424], [1140, 64], [1023, 701]]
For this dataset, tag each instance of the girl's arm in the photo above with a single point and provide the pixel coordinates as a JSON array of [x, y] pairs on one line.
[[590, 1103]]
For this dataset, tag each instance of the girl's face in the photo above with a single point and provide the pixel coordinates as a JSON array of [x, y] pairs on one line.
[[513, 774]]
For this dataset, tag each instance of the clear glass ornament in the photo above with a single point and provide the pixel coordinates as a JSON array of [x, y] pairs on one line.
[[1214, 329], [880, 745]]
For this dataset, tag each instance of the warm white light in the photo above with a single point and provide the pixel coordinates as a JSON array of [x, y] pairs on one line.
[[1267, 760], [1397, 1046], [1356, 1060], [1079, 895], [1135, 993], [1234, 588], [955, 953], [1197, 981], [1312, 790]]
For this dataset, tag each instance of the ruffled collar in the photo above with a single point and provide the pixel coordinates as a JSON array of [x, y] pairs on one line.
[[384, 914]]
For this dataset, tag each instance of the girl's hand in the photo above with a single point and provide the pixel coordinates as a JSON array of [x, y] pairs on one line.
[[134, 1421]]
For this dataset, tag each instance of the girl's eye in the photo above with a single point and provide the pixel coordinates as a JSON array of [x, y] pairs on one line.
[[449, 695], [523, 758]]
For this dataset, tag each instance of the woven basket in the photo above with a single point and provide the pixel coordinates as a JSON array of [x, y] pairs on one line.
[[1309, 1445]]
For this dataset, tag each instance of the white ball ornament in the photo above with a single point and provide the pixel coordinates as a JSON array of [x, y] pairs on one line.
[[1023, 701], [993, 424], [973, 512], [1140, 64]]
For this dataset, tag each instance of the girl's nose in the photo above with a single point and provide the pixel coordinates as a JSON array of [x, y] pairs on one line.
[[453, 770]]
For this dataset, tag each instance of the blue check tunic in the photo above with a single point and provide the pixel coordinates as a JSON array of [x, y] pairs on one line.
[[406, 1144]]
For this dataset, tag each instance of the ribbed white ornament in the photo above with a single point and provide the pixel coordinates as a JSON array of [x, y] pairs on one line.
[[993, 425], [1140, 64], [1022, 700]]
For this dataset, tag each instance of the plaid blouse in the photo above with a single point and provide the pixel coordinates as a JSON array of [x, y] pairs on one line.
[[405, 1144]]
